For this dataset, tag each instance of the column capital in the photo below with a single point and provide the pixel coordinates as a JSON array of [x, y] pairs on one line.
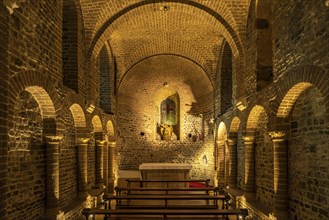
[[111, 143], [220, 143], [100, 142], [53, 138], [277, 135], [82, 140], [248, 139], [231, 141]]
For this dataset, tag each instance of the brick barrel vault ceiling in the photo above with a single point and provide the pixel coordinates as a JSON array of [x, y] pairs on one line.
[[97, 12], [183, 30], [150, 74], [145, 32]]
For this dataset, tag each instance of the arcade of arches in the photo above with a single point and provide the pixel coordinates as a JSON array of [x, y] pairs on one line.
[[236, 88]]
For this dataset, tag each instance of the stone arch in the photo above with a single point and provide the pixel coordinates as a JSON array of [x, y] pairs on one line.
[[220, 152], [258, 153], [234, 153], [290, 99], [78, 115], [33, 118], [175, 56], [97, 124], [232, 36], [79, 119], [307, 138], [235, 124], [298, 79], [42, 89], [228, 32], [110, 131], [222, 132], [111, 158], [254, 117]]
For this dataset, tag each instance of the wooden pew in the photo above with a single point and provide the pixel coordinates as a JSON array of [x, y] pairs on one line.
[[165, 191], [141, 182], [166, 198], [166, 213]]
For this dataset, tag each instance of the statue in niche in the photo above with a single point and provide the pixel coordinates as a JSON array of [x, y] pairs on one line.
[[166, 132], [168, 119]]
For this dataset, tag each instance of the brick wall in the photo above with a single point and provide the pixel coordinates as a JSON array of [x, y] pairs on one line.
[[4, 108], [106, 78], [296, 37], [70, 45], [263, 163], [26, 161], [308, 158], [68, 163], [35, 39]]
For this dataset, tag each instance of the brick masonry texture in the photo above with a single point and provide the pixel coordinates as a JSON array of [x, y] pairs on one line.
[[116, 61], [308, 157]]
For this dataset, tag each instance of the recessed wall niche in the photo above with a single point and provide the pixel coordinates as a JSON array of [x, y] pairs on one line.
[[167, 114]]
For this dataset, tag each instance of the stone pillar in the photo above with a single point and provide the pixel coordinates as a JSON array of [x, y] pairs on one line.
[[99, 163], [52, 150], [280, 162], [105, 165], [232, 178], [221, 161], [111, 177], [249, 164], [83, 167]]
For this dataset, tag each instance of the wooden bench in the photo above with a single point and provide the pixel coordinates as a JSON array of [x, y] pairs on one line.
[[167, 182], [166, 198], [165, 191], [166, 213]]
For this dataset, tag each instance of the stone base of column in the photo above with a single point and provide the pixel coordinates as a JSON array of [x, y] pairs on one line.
[[54, 214]]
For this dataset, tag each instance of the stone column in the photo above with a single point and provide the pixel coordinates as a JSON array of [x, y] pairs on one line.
[[249, 164], [221, 161], [280, 162], [52, 150], [105, 165], [83, 167], [99, 163], [232, 179], [111, 177]]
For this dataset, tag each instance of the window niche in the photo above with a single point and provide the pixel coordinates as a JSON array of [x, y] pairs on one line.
[[167, 115]]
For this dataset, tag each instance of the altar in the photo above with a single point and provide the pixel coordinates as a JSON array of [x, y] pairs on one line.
[[165, 171]]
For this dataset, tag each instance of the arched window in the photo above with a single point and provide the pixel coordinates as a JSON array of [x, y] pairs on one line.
[[167, 114], [105, 80], [264, 44], [226, 79]]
